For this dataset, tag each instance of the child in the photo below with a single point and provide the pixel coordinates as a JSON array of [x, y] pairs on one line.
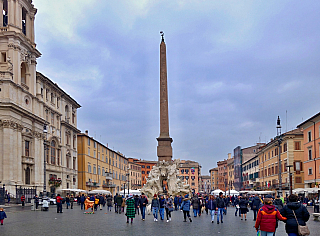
[[2, 215]]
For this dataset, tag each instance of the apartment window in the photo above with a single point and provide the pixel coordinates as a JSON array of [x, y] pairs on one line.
[[47, 115], [58, 122], [276, 170], [52, 118], [285, 147], [148, 172], [271, 153], [74, 163], [58, 102], [53, 152], [94, 153], [142, 166], [309, 153], [276, 151], [88, 151], [142, 172], [297, 166], [192, 177], [182, 171], [58, 157], [99, 155], [94, 169], [99, 170], [309, 136], [297, 146], [310, 171], [89, 168], [95, 144], [27, 148], [148, 167], [88, 142], [298, 180]]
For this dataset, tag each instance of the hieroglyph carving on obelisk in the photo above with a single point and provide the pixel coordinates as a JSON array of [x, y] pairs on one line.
[[164, 149]]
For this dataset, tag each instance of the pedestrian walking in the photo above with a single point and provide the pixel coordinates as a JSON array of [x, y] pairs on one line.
[[143, 201], [162, 202], [185, 207], [267, 218], [23, 199], [176, 202], [220, 206], [278, 203], [243, 204], [195, 204], [59, 203], [109, 202], [2, 215], [155, 204], [71, 201], [255, 206], [130, 210], [68, 201], [119, 203], [36, 200], [295, 213], [82, 200], [211, 205], [136, 204], [236, 204], [169, 207]]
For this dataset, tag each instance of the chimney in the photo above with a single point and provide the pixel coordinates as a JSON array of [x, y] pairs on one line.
[[86, 132]]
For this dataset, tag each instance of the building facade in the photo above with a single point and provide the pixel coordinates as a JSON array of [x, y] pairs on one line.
[[146, 167], [214, 178], [190, 173], [205, 184], [99, 167], [230, 169], [222, 175], [291, 154], [250, 173], [135, 174], [38, 120], [311, 147]]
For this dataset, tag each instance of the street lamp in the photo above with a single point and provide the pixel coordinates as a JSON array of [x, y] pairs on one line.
[[290, 179], [279, 140], [45, 132]]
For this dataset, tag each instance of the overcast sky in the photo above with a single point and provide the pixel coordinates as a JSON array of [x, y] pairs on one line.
[[233, 67]]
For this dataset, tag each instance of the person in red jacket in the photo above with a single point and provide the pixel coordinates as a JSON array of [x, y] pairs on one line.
[[23, 198], [267, 218]]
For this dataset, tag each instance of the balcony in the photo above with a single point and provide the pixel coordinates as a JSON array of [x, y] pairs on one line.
[[108, 185], [108, 176], [92, 184], [27, 160]]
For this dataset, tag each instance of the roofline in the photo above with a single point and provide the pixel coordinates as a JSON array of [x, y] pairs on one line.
[[60, 89], [318, 114]]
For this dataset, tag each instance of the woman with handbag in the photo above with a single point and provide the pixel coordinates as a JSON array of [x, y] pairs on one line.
[[297, 215], [169, 207]]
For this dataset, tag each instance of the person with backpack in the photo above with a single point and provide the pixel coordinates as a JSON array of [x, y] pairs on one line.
[[295, 213], [195, 204], [185, 207], [255, 205], [267, 218], [278, 203]]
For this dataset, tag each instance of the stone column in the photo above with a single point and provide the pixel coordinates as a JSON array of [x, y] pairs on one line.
[[11, 15], [18, 15], [1, 8], [164, 149]]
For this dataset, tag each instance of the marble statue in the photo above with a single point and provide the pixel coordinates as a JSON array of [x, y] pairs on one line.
[[164, 179]]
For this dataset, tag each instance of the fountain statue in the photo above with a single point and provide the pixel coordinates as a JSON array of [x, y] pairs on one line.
[[164, 179]]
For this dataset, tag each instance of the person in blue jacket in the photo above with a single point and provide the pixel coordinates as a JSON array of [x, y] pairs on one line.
[[176, 202], [211, 205], [2, 215], [185, 206]]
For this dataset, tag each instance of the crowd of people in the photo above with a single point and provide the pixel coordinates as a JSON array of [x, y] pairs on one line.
[[267, 210]]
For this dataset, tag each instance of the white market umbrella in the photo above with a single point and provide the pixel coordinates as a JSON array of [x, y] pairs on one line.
[[97, 191]]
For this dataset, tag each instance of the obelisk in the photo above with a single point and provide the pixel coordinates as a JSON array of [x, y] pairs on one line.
[[164, 149]]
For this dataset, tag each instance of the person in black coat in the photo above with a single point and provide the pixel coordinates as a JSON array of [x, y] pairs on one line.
[[243, 204], [255, 205], [236, 204], [300, 211]]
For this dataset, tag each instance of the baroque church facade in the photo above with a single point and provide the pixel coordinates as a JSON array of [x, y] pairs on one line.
[[38, 120]]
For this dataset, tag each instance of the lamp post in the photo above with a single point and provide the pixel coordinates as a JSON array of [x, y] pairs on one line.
[[279, 140], [128, 179], [290, 179], [45, 131]]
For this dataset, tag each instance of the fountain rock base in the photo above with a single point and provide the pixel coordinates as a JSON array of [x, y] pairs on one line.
[[164, 179]]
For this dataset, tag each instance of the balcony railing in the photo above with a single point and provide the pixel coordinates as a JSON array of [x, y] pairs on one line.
[[108, 185], [108, 176], [92, 184]]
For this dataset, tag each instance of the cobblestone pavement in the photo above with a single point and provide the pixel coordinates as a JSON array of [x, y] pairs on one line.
[[74, 222]]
